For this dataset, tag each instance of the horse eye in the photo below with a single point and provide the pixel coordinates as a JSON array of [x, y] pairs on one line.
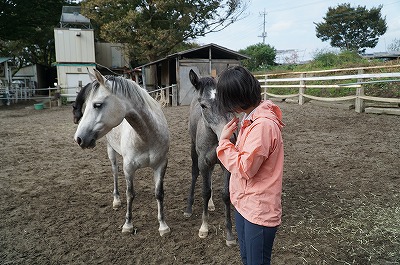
[[97, 105], [203, 106]]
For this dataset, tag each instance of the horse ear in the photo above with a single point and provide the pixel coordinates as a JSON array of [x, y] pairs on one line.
[[194, 79], [99, 77], [91, 76]]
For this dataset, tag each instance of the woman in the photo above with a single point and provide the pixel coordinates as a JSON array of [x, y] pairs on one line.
[[255, 163]]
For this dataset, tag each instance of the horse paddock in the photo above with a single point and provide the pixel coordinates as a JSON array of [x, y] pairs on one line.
[[340, 194]]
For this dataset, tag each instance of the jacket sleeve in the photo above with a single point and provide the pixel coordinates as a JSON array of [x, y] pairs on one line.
[[246, 162]]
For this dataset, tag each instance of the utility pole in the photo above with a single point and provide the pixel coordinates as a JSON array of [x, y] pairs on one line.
[[264, 34]]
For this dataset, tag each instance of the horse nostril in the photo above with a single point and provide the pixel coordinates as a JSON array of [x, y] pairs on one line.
[[79, 140]]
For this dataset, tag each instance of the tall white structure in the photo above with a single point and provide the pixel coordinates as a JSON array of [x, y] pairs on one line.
[[75, 51]]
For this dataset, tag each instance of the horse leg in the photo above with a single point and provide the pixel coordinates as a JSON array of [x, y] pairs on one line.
[[195, 174], [230, 240], [211, 206], [129, 171], [206, 173], [159, 174], [112, 155]]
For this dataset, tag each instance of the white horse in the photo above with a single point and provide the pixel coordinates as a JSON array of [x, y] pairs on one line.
[[135, 127]]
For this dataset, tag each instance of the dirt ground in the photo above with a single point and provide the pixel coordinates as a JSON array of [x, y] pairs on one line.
[[340, 196]]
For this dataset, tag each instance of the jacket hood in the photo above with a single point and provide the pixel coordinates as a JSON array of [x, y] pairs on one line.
[[267, 109]]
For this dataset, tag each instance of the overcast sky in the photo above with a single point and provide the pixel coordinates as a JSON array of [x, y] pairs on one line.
[[290, 25]]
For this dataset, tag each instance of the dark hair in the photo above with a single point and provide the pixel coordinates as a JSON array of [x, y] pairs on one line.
[[237, 89]]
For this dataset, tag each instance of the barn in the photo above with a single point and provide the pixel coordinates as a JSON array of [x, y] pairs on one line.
[[207, 60]]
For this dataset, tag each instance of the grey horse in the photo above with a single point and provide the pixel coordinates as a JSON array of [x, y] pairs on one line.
[[205, 125]]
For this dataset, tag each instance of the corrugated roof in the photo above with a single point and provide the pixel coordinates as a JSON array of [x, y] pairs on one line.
[[72, 18], [217, 52], [382, 55], [3, 59]]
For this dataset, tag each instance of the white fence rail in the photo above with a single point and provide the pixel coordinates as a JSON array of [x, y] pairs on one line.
[[15, 94], [302, 81], [167, 96]]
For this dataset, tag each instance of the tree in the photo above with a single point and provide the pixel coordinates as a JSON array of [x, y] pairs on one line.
[[152, 28], [352, 28], [261, 55], [394, 46], [27, 30]]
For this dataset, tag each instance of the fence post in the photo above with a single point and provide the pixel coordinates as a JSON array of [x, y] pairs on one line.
[[59, 102], [265, 88], [359, 104], [167, 95], [301, 90], [174, 95]]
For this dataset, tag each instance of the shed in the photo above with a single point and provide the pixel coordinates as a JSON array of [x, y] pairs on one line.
[[207, 60], [33, 76], [5, 71], [5, 80]]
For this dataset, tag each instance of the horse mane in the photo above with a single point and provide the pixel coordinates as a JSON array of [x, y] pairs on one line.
[[130, 90], [82, 95]]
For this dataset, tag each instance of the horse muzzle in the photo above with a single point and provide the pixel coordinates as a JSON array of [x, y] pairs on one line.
[[88, 142]]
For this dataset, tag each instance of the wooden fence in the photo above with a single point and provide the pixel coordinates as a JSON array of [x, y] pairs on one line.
[[354, 78], [15, 94], [167, 96], [300, 82]]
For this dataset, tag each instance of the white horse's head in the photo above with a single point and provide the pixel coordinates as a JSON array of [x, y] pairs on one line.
[[103, 111]]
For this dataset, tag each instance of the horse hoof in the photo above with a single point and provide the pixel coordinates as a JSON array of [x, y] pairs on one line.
[[187, 215], [116, 204], [127, 229], [203, 234], [231, 243], [164, 231]]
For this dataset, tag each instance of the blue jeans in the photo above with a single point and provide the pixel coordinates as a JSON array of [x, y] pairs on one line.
[[255, 241]]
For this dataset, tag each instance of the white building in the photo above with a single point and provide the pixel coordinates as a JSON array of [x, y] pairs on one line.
[[76, 52]]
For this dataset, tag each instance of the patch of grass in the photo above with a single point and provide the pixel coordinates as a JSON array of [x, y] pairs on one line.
[[371, 231], [359, 230], [64, 101]]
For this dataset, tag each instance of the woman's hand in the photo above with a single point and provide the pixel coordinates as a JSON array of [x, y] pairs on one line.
[[229, 128]]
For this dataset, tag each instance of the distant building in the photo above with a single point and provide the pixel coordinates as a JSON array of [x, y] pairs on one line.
[[77, 52], [32, 76], [5, 72], [111, 55], [5, 80], [207, 60], [387, 56]]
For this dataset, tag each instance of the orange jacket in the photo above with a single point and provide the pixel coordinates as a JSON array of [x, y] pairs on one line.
[[256, 166]]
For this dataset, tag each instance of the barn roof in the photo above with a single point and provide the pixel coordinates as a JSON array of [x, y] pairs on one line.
[[383, 55], [203, 52], [3, 59]]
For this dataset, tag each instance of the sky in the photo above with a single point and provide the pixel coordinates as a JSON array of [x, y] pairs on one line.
[[290, 25]]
